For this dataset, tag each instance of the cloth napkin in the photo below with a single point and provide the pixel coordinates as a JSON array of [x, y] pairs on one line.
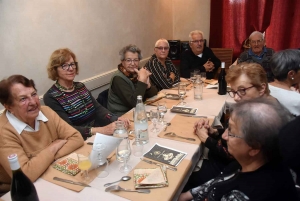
[[150, 178]]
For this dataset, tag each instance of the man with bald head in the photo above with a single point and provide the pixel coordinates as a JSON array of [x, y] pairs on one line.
[[164, 73], [258, 53], [198, 57]]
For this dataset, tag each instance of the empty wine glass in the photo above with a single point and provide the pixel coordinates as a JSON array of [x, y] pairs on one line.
[[154, 118], [84, 165], [102, 163], [123, 151], [182, 92], [203, 76], [162, 109]]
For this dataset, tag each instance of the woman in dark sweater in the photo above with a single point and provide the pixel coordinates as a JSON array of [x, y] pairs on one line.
[[257, 174], [72, 101]]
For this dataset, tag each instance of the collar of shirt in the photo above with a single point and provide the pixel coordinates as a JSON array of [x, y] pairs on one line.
[[258, 56], [200, 55], [20, 125]]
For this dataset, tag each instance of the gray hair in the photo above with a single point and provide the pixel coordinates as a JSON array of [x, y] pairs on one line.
[[130, 48], [259, 121], [161, 40], [257, 33], [284, 61], [195, 32]]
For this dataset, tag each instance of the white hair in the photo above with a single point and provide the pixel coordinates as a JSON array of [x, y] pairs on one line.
[[161, 40], [257, 33], [195, 32]]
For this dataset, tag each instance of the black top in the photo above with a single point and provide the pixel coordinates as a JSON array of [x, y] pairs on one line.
[[190, 62], [272, 181]]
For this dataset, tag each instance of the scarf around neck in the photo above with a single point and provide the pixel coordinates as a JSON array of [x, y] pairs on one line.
[[131, 76]]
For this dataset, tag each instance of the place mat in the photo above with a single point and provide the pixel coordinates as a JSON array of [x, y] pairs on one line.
[[188, 87], [169, 102], [184, 127], [212, 81], [175, 178], [51, 172]]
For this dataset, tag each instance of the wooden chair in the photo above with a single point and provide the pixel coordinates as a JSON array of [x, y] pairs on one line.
[[225, 55]]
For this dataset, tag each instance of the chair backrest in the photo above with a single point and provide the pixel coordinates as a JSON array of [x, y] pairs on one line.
[[102, 98], [224, 54]]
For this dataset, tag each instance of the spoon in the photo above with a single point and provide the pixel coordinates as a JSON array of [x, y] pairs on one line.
[[124, 178], [168, 124], [171, 134], [118, 188]]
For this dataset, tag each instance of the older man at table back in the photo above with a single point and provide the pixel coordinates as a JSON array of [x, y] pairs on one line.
[[258, 53], [164, 73], [198, 58]]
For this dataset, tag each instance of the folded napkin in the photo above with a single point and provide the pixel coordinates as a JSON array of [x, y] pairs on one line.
[[68, 165], [150, 178]]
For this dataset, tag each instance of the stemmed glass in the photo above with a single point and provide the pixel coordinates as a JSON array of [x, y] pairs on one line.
[[203, 76], [182, 92], [102, 171], [162, 109], [154, 118], [123, 151], [84, 164]]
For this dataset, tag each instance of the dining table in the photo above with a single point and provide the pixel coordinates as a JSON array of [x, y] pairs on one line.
[[212, 106]]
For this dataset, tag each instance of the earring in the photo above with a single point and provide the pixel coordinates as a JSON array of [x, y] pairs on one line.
[[292, 78]]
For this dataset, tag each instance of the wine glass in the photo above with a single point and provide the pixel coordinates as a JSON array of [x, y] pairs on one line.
[[193, 77], [203, 76], [162, 109], [196, 72], [123, 151], [102, 163], [84, 164], [154, 117], [182, 92]]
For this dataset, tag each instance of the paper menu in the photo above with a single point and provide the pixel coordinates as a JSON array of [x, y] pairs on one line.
[[106, 144]]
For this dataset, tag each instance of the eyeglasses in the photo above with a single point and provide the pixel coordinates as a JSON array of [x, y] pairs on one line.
[[256, 41], [232, 135], [67, 66], [162, 48], [197, 41], [128, 61], [239, 92]]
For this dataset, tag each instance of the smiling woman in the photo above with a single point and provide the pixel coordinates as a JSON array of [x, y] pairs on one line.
[[72, 101], [34, 132]]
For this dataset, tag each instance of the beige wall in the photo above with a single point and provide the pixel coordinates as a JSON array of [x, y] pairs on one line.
[[189, 15], [94, 29]]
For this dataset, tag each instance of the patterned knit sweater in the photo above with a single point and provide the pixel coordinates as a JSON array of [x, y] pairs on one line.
[[32, 147]]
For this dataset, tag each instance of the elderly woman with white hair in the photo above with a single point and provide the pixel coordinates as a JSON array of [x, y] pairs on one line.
[[129, 82], [164, 73], [286, 69]]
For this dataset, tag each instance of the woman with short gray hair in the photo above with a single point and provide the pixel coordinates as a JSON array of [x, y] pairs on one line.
[[129, 82], [285, 67]]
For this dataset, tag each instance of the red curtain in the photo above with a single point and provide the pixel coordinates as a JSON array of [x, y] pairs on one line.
[[232, 21], [284, 29]]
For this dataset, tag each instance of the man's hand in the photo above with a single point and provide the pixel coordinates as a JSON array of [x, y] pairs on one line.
[[209, 66], [57, 145], [172, 76]]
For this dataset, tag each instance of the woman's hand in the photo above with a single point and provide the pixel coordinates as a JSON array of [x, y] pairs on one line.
[[126, 121], [56, 145], [143, 75], [107, 130]]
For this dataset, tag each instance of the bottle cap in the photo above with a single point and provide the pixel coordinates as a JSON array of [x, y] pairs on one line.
[[13, 161], [223, 65], [139, 97]]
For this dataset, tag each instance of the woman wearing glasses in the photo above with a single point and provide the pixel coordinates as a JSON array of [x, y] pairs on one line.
[[129, 82], [164, 73], [72, 101], [247, 81]]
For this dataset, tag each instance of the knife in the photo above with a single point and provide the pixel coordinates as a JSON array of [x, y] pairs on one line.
[[71, 182], [158, 164], [195, 116]]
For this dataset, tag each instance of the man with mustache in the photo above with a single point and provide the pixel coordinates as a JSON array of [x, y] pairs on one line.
[[258, 53], [198, 57]]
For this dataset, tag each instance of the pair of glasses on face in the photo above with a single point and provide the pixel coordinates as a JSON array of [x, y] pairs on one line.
[[67, 66], [239, 92], [256, 41], [236, 136], [163, 48], [197, 41], [129, 61]]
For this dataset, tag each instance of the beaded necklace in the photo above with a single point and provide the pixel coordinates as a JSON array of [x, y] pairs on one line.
[[62, 88]]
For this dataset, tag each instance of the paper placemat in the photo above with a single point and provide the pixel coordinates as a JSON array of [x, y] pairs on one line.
[[188, 87], [175, 178], [184, 127], [51, 172]]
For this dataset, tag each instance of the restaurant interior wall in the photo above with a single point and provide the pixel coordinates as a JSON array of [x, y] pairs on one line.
[[94, 30]]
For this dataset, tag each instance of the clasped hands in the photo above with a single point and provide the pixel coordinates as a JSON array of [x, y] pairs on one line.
[[202, 129], [144, 76], [209, 66]]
